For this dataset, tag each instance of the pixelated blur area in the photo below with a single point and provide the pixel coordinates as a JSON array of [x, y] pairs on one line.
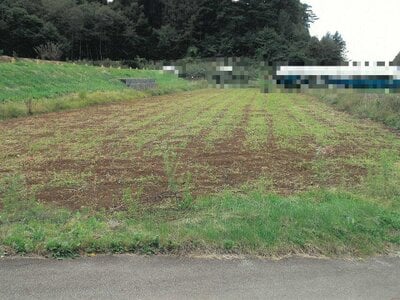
[[228, 72], [220, 72], [381, 77]]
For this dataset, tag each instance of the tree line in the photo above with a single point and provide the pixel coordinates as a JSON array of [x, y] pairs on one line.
[[271, 30]]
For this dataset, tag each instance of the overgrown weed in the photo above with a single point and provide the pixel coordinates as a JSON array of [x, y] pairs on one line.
[[170, 167], [383, 181], [376, 106], [325, 222], [131, 201]]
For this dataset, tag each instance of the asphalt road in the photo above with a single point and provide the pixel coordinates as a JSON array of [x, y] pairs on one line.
[[138, 277]]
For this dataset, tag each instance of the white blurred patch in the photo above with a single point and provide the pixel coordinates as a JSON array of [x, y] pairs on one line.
[[225, 68], [171, 69], [373, 70]]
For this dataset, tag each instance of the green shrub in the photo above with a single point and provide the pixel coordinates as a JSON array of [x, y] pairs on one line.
[[62, 249], [17, 243]]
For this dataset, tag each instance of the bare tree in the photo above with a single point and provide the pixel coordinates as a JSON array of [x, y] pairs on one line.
[[49, 51]]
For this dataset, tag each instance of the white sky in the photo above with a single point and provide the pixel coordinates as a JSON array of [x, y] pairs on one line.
[[369, 27]]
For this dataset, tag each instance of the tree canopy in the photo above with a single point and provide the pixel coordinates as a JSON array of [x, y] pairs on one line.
[[273, 30]]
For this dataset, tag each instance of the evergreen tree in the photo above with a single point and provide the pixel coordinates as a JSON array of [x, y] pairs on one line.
[[274, 30]]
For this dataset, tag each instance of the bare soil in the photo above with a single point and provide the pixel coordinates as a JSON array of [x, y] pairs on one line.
[[90, 161]]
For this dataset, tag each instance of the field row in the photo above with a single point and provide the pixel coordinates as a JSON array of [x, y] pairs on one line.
[[199, 142]]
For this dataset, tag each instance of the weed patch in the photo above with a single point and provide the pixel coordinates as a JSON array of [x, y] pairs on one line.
[[320, 222], [379, 107], [383, 179]]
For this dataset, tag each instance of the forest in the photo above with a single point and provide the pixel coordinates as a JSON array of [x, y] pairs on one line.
[[269, 30]]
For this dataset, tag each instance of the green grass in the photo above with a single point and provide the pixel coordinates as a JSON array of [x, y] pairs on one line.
[[307, 179], [320, 222], [380, 107], [46, 87]]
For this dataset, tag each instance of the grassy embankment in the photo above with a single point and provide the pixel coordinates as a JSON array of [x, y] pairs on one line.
[[376, 105], [278, 174], [32, 87]]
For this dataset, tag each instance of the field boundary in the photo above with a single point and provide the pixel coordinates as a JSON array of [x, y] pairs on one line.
[[10, 110]]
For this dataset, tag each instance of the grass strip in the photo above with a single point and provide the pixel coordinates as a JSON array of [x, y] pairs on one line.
[[374, 105], [320, 222]]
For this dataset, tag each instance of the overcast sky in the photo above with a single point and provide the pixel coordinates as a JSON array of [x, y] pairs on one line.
[[369, 27]]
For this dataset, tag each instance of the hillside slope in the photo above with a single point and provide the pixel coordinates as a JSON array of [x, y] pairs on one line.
[[30, 87], [33, 80]]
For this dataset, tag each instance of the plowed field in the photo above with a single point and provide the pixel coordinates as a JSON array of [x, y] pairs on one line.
[[200, 142]]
